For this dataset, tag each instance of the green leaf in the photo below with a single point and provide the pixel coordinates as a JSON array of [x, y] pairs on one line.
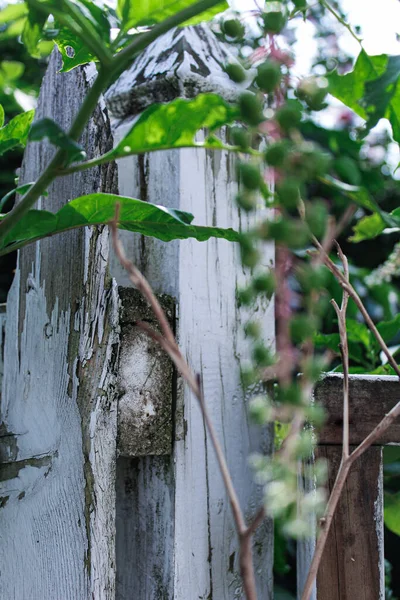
[[389, 329], [367, 228], [12, 12], [73, 50], [350, 88], [382, 97], [174, 125], [47, 128], [10, 70], [1, 116], [133, 13], [392, 512], [33, 30], [95, 209], [15, 133]]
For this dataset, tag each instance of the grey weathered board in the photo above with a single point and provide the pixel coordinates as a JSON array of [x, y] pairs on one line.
[[174, 524], [59, 406]]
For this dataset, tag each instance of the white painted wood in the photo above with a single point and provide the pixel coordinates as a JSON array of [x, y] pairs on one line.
[[183, 62], [191, 532], [58, 405]]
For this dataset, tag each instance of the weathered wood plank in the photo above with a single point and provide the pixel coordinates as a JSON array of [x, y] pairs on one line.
[[371, 397], [201, 550], [58, 406], [352, 563]]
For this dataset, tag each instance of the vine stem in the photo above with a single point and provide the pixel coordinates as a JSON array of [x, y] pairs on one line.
[[107, 73], [168, 342]]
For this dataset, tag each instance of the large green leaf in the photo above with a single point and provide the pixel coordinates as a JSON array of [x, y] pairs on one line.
[[174, 125], [95, 209], [15, 133], [33, 29], [148, 12], [350, 88]]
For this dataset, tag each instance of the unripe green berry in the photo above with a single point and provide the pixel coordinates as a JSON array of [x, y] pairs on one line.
[[317, 217], [288, 191], [268, 76], [252, 329], [289, 115], [290, 394], [249, 175], [313, 90], [251, 109], [240, 137], [312, 278], [246, 201], [302, 327], [316, 415], [300, 4], [233, 28], [274, 18], [248, 376], [262, 356], [265, 283], [245, 296], [235, 72], [260, 410], [276, 153], [249, 254]]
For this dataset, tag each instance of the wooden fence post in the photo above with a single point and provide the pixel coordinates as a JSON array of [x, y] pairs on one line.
[[88, 512], [352, 563], [175, 531], [58, 421]]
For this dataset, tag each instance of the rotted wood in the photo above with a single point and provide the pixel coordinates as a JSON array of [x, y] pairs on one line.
[[145, 380], [371, 398], [352, 564]]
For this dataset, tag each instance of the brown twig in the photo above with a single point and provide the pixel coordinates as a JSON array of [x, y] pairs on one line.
[[167, 341]]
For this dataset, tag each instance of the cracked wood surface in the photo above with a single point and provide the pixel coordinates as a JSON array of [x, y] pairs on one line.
[[58, 406], [175, 533]]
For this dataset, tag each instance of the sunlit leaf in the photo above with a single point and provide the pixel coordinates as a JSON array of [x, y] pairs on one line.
[[350, 88], [148, 12], [1, 116], [382, 97], [73, 50], [47, 128], [12, 12], [174, 125], [95, 209], [33, 29], [15, 133]]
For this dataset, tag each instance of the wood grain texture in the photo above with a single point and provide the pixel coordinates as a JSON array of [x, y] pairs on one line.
[[371, 398], [183, 62], [352, 563], [58, 406], [202, 550]]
